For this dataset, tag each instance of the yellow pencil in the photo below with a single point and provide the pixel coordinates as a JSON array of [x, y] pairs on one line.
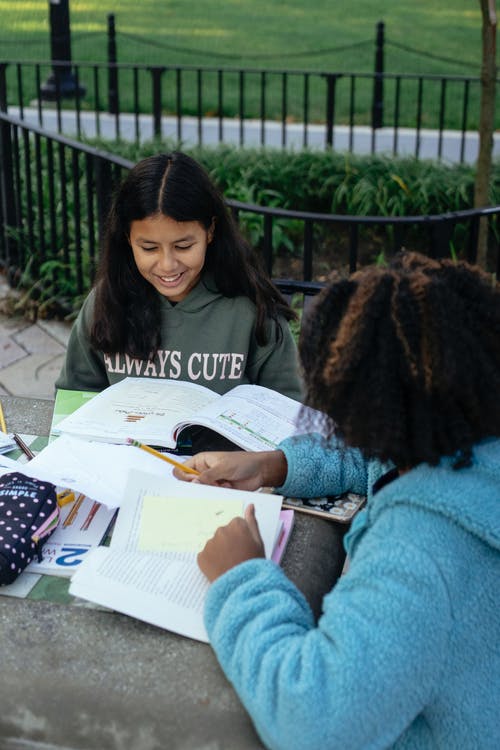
[[163, 456], [2, 420]]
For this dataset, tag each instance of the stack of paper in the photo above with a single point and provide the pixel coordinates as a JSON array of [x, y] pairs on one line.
[[149, 571], [98, 470]]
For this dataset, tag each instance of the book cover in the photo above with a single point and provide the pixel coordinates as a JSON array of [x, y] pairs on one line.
[[83, 525], [341, 508], [65, 403]]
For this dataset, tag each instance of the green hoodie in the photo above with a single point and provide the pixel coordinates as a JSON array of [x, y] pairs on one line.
[[206, 338]]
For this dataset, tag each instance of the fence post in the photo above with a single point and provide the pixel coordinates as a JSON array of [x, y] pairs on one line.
[[156, 74], [331, 82], [61, 83], [378, 81], [7, 206], [104, 191], [3, 87], [113, 105]]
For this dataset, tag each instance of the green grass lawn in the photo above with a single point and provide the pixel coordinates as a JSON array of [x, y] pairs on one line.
[[247, 33], [422, 37]]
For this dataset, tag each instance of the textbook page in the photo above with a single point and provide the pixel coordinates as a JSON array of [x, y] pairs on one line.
[[251, 416], [139, 576], [144, 409]]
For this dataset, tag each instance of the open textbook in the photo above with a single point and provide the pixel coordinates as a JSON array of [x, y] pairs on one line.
[[149, 571], [155, 411]]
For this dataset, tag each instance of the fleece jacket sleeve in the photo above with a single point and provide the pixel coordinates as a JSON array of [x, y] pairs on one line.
[[318, 467], [361, 676]]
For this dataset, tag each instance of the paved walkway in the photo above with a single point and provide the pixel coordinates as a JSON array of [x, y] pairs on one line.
[[31, 354], [449, 145]]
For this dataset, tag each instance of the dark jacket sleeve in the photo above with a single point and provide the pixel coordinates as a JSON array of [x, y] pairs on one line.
[[83, 368], [276, 365]]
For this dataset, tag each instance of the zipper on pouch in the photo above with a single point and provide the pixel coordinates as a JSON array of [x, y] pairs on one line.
[[44, 530]]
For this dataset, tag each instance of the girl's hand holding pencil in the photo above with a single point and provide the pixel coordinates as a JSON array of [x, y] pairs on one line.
[[178, 464]]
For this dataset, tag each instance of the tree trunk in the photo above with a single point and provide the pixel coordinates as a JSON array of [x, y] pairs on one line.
[[486, 121]]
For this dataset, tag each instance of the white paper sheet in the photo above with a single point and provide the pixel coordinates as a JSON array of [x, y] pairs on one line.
[[8, 465], [98, 470], [21, 586], [7, 442]]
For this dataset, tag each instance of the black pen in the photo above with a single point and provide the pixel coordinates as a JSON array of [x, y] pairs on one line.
[[22, 445]]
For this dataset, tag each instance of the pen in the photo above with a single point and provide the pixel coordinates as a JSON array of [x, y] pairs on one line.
[[85, 525], [22, 445], [2, 420], [169, 460]]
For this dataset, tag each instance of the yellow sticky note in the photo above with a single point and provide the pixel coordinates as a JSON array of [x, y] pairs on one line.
[[181, 524]]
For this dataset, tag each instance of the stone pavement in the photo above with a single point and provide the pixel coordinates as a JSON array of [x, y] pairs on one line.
[[31, 354]]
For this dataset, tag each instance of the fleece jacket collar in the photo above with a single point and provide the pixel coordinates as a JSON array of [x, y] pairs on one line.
[[469, 496]]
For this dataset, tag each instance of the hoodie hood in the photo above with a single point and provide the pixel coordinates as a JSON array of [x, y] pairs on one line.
[[469, 496], [202, 295]]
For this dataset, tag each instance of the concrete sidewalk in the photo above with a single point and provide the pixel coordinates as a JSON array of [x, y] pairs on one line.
[[31, 354]]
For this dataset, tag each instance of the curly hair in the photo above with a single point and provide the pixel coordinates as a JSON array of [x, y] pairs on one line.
[[405, 359], [127, 315]]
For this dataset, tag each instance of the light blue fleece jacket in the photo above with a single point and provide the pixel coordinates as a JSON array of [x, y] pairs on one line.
[[407, 651]]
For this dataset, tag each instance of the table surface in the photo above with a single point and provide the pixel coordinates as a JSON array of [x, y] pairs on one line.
[[78, 677]]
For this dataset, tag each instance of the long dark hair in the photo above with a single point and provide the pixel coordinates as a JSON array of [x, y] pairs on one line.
[[127, 308], [405, 360]]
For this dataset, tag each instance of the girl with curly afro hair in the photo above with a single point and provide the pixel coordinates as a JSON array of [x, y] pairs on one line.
[[404, 363]]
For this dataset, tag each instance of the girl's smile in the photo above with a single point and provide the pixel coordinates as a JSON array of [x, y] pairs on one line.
[[170, 254]]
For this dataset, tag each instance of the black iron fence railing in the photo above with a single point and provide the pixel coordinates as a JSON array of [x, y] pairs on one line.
[[55, 193], [256, 106]]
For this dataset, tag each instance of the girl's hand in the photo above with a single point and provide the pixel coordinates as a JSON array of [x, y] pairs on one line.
[[231, 545], [241, 470]]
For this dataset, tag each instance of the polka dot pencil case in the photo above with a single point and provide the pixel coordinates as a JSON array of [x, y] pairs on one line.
[[29, 513]]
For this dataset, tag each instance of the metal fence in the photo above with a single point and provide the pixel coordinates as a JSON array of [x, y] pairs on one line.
[[247, 106], [55, 193]]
